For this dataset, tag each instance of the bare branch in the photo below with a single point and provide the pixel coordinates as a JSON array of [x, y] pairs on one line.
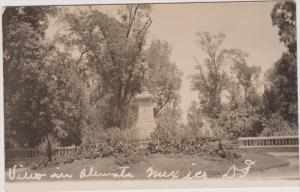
[[131, 20]]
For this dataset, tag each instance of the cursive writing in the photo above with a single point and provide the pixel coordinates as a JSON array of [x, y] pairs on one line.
[[197, 175], [151, 173], [155, 173], [243, 172], [13, 175], [93, 173], [60, 175]]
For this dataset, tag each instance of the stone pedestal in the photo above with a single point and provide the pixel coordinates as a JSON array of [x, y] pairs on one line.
[[145, 123]]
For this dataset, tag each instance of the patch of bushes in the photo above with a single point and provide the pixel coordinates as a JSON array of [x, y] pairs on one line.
[[134, 154], [218, 149], [112, 142], [275, 125], [244, 121], [119, 144], [165, 143], [44, 163]]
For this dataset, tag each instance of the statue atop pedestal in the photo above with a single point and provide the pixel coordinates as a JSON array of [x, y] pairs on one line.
[[145, 123], [144, 74]]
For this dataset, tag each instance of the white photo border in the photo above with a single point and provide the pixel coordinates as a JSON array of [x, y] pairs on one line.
[[5, 3]]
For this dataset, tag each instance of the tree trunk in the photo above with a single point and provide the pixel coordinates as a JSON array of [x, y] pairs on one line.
[[49, 154]]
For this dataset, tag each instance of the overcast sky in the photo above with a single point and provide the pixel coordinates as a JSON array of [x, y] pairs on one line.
[[247, 25]]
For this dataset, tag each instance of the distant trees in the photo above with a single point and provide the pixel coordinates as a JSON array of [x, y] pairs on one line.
[[225, 70], [227, 90], [194, 117], [210, 80], [231, 97], [245, 76]]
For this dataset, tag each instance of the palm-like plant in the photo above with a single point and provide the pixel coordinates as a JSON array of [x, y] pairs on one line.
[[47, 145]]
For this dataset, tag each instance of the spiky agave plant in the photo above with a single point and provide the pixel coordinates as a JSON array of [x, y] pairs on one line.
[[47, 145]]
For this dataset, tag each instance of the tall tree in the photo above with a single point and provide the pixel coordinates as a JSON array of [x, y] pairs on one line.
[[244, 75], [164, 76], [64, 90], [112, 48], [25, 48], [210, 79], [284, 17], [281, 86], [280, 93]]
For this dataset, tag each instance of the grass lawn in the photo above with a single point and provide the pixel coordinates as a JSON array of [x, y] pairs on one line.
[[164, 163]]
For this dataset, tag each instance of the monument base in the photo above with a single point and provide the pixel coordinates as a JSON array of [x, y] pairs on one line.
[[144, 129], [145, 123]]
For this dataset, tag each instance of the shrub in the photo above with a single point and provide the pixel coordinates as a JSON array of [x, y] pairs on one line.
[[275, 125], [48, 145], [111, 142], [223, 150], [241, 122], [134, 154], [162, 142]]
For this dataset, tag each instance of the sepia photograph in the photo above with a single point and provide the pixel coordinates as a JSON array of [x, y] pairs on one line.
[[200, 94]]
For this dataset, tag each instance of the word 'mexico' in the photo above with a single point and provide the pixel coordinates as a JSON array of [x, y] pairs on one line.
[[158, 174]]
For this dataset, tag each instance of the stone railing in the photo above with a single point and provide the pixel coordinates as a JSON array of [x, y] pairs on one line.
[[63, 151], [21, 154], [276, 141], [32, 153]]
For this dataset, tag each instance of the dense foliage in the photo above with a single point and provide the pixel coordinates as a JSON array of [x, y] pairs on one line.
[[83, 79], [244, 121], [25, 50], [281, 95]]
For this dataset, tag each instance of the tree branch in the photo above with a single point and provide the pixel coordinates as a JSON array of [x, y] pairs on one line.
[[131, 20]]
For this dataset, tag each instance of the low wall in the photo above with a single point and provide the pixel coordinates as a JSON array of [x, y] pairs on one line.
[[33, 154], [271, 144]]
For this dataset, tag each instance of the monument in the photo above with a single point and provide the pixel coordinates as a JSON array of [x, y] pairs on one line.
[[145, 123]]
